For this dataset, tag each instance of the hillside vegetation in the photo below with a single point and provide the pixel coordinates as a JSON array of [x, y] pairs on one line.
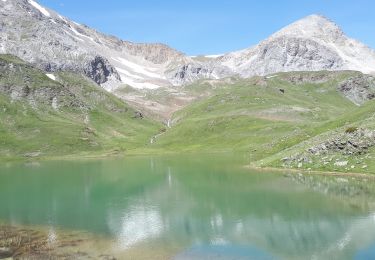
[[274, 119], [302, 120], [71, 115]]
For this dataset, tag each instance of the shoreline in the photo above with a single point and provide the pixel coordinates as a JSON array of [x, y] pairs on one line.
[[19, 241], [134, 153], [313, 172], [104, 155]]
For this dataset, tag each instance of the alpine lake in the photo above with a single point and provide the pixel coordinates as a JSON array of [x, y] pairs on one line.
[[181, 207]]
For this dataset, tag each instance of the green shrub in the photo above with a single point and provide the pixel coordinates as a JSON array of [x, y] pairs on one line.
[[351, 130]]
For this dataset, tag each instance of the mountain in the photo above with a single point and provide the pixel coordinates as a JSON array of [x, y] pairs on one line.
[[311, 44], [54, 43]]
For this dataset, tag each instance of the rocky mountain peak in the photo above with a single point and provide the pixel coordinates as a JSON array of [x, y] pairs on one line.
[[312, 26], [26, 7], [311, 44]]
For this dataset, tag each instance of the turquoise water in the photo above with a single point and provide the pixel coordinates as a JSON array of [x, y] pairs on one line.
[[204, 207]]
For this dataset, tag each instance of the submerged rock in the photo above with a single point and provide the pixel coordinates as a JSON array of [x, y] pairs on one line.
[[6, 253]]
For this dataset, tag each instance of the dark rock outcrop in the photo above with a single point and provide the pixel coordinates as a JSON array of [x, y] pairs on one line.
[[99, 69], [352, 142], [358, 89]]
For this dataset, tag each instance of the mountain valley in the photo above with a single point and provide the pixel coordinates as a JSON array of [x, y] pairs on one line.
[[69, 90]]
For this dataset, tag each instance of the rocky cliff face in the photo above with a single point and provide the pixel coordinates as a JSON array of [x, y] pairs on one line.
[[22, 82], [52, 42], [49, 41], [194, 71], [359, 89]]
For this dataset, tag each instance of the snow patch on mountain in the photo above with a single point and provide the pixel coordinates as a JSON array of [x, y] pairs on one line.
[[214, 56], [143, 70], [81, 35], [126, 73], [39, 7], [133, 81], [51, 76]]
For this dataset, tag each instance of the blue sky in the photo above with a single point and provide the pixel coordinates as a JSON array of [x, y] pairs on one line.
[[209, 26]]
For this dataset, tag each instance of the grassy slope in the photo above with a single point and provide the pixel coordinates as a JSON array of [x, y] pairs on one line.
[[268, 119], [104, 125], [362, 117], [255, 117]]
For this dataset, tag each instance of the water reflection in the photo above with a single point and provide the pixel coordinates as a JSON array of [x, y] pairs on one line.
[[139, 224], [201, 205], [367, 253]]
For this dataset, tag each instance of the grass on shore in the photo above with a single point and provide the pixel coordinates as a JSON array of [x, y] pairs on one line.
[[269, 119]]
